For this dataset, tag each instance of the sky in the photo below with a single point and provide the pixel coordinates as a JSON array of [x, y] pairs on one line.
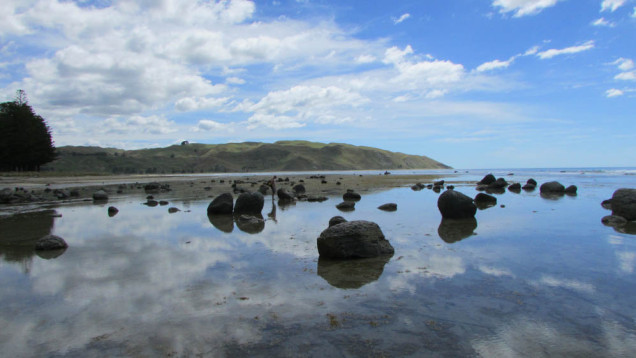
[[470, 83]]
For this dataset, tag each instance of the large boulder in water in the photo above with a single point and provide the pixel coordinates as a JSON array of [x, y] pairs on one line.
[[487, 180], [351, 195], [284, 196], [249, 203], [624, 203], [336, 220], [353, 239], [51, 242], [552, 187], [221, 205], [455, 205]]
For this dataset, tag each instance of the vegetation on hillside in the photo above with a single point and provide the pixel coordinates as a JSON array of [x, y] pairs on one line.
[[25, 138], [235, 157]]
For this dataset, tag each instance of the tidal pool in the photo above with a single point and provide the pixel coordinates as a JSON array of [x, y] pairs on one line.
[[539, 277]]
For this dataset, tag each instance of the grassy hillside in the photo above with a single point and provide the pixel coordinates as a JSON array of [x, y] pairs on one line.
[[234, 157]]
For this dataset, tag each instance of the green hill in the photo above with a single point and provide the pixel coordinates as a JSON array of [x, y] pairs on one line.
[[234, 157]]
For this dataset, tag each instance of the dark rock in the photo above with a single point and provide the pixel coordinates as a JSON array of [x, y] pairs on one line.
[[571, 190], [221, 205], [299, 189], [489, 178], [624, 203], [500, 183], [484, 201], [455, 205], [515, 187], [449, 187], [351, 196], [481, 187], [453, 230], [438, 183], [532, 182], [75, 193], [152, 187], [249, 203], [112, 211], [529, 187], [346, 206], [552, 187], [163, 202], [264, 189], [315, 198], [284, 196], [250, 224], [388, 207], [62, 194], [223, 222], [150, 197], [173, 210], [353, 239], [100, 195], [336, 220], [51, 242], [351, 274], [151, 203], [437, 188], [418, 187]]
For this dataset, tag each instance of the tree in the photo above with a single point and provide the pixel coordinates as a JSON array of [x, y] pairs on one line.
[[25, 138]]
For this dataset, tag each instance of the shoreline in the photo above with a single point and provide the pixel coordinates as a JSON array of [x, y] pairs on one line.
[[43, 192]]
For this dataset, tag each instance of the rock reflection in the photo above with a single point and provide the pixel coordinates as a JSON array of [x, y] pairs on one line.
[[453, 230], [552, 196], [352, 274], [251, 224], [224, 223], [18, 234]]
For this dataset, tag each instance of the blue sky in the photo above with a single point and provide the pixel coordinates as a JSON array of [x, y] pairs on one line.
[[471, 83]]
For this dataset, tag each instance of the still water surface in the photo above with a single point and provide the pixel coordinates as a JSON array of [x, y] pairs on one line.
[[538, 277]]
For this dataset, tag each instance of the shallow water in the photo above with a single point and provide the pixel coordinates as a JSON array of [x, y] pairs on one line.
[[538, 277]]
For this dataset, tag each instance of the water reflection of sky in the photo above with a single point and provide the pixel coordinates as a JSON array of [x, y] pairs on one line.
[[537, 277]]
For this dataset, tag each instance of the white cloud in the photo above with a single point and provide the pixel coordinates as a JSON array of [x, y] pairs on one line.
[[626, 76], [207, 125], [602, 22], [568, 50], [139, 124], [235, 81], [494, 65], [611, 5], [613, 93], [523, 7], [415, 74], [401, 18], [624, 64], [197, 103], [298, 105], [365, 59]]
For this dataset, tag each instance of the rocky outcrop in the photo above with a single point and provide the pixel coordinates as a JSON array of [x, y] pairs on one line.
[[221, 205], [487, 180], [455, 205], [249, 203], [353, 239]]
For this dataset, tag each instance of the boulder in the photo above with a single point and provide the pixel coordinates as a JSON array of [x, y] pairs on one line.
[[438, 183], [264, 189], [353, 239], [346, 206], [607, 204], [624, 203], [455, 205], [51, 242], [151, 203], [173, 210], [299, 189], [336, 220], [221, 205], [515, 187], [571, 190], [489, 178], [388, 207], [284, 196], [613, 220], [249, 203], [552, 187], [532, 182], [529, 187], [351, 195], [100, 195], [500, 183]]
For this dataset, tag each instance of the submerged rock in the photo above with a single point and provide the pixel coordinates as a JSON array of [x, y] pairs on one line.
[[351, 195], [346, 206], [515, 187], [51, 242], [388, 207], [221, 205], [353, 239], [552, 187], [250, 224], [571, 190], [284, 196], [455, 205], [484, 201], [351, 274], [453, 230], [223, 222]]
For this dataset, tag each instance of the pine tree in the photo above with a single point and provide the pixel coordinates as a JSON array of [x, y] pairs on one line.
[[25, 138]]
